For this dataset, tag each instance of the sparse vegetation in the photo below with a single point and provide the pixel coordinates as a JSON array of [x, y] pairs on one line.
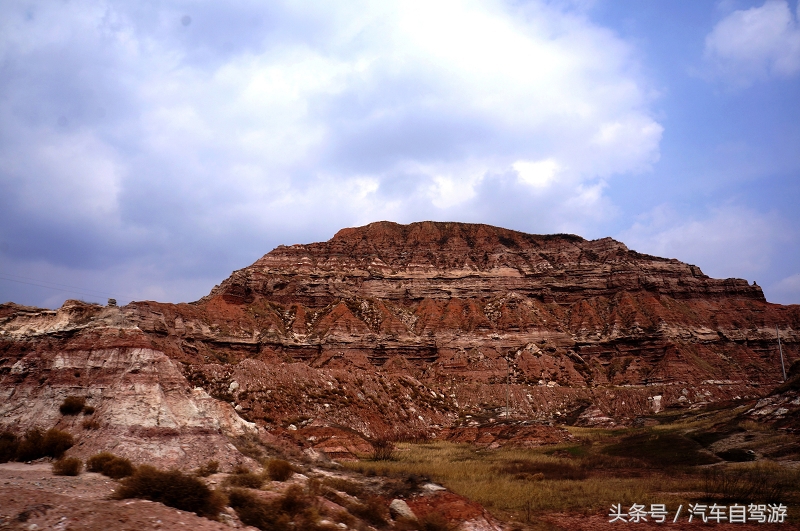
[[295, 509], [211, 467], [172, 488], [91, 424], [67, 466], [110, 465], [72, 405]]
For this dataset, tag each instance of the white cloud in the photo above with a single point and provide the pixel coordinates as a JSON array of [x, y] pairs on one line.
[[752, 44], [197, 140], [539, 174], [730, 242]]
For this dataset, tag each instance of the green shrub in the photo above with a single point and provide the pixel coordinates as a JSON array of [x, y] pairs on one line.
[[67, 466], [72, 405], [172, 488], [279, 470], [110, 465], [9, 443], [35, 444]]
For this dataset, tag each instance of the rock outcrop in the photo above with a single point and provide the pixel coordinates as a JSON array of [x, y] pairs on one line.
[[402, 331]]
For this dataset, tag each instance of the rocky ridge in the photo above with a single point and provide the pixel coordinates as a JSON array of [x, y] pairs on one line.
[[398, 331]]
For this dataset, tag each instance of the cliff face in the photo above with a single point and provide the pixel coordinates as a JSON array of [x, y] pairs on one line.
[[410, 328]]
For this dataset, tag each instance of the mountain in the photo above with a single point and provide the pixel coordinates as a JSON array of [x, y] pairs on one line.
[[396, 330]]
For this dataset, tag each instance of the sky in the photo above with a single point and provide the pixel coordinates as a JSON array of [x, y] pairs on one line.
[[148, 149]]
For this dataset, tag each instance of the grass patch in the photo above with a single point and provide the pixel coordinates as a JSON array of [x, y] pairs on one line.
[[505, 480]]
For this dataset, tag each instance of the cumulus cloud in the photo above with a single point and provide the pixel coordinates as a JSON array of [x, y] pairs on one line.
[[752, 44], [729, 241], [197, 138]]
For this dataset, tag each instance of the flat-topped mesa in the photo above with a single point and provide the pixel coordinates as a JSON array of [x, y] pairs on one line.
[[437, 260]]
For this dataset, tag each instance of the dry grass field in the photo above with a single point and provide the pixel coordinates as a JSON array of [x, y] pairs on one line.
[[673, 462]]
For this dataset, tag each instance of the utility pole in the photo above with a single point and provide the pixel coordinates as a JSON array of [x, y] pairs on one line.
[[780, 348]]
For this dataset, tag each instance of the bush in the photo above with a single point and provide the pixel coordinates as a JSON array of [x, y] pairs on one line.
[[72, 405], [35, 444], [248, 480], [293, 510], [279, 470], [110, 465], [382, 449], [91, 424], [254, 511], [88, 410], [67, 466], [211, 467], [56, 442], [9, 443], [172, 488], [373, 511]]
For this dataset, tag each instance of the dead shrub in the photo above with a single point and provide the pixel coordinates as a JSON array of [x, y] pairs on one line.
[[88, 410], [382, 449], [9, 443], [72, 405], [372, 511], [293, 510], [247, 480], [67, 466], [279, 470], [91, 424], [110, 465], [254, 511], [211, 467], [35, 444], [344, 485], [172, 488]]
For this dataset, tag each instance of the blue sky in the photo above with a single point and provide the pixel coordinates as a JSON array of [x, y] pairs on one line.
[[147, 149]]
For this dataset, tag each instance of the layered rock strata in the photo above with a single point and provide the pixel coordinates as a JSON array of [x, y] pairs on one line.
[[404, 330]]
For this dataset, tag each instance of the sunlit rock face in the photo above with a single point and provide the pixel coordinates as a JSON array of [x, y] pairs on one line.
[[395, 329]]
